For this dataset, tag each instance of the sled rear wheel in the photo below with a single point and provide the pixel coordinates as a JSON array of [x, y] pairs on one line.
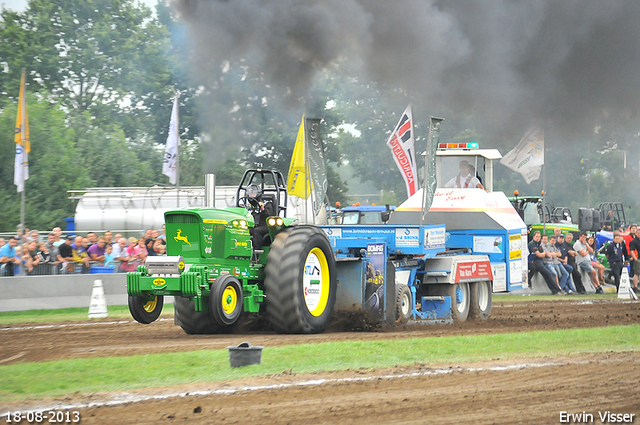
[[480, 300], [404, 303]]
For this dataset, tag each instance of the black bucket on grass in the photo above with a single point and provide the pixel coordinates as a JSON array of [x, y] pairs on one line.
[[245, 354]]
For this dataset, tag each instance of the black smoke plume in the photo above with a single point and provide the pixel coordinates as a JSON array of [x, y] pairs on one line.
[[570, 63]]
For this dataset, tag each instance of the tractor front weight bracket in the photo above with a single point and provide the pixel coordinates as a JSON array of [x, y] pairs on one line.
[[253, 297]]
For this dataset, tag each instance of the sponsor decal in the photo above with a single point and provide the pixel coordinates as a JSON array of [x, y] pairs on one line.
[[333, 233], [311, 291], [499, 271], [312, 283], [515, 272], [375, 273], [159, 282], [434, 238], [407, 237], [476, 270], [214, 221], [180, 237], [515, 247], [488, 244]]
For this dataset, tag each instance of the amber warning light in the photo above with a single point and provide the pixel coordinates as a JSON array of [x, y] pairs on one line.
[[467, 145]]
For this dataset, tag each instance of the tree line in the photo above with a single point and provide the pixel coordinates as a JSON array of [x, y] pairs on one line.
[[102, 75]]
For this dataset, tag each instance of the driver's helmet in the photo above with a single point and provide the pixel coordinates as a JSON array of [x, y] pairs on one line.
[[254, 192]]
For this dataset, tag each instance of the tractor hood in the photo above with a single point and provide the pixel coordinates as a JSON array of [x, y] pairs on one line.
[[198, 234], [219, 216]]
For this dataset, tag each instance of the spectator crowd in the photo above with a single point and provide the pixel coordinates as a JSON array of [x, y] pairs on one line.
[[30, 253], [558, 260]]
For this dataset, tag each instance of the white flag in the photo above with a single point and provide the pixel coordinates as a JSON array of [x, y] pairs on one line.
[[21, 172], [21, 137], [401, 144], [171, 150], [528, 157]]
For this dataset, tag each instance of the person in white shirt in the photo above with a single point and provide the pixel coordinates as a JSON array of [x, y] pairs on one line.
[[465, 179], [584, 260]]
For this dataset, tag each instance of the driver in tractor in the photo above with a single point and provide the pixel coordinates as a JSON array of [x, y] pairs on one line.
[[466, 179], [260, 210]]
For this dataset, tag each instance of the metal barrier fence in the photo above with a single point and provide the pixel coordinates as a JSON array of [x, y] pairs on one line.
[[49, 269]]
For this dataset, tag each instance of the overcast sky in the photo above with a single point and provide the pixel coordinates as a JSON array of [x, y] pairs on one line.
[[22, 4]]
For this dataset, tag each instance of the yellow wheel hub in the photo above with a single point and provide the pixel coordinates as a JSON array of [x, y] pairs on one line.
[[229, 300], [150, 306], [317, 284]]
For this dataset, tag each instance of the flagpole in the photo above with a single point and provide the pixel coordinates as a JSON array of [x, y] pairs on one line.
[[178, 152], [544, 195], [24, 147], [22, 204], [306, 169], [307, 177], [425, 182]]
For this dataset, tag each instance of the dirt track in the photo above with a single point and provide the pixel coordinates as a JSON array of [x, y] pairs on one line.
[[126, 337], [526, 395]]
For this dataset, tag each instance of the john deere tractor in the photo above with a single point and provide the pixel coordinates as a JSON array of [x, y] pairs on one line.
[[216, 275]]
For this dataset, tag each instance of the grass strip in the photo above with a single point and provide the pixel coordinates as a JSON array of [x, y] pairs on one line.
[[117, 312], [55, 378]]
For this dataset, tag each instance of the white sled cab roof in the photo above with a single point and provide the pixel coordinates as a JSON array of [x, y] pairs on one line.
[[461, 209]]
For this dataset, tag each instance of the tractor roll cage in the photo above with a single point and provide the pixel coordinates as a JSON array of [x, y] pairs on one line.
[[271, 183]]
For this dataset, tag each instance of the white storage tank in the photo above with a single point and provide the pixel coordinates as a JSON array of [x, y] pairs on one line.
[[131, 210], [134, 209]]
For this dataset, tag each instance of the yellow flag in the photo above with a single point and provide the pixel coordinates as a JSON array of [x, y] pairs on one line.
[[298, 169], [22, 122]]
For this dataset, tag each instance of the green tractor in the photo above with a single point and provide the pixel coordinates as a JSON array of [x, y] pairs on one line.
[[217, 276], [530, 209]]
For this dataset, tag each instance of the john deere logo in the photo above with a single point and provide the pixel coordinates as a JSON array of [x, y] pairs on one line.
[[181, 265], [179, 237], [159, 282]]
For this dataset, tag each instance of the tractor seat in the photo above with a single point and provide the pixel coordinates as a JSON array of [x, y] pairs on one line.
[[269, 197]]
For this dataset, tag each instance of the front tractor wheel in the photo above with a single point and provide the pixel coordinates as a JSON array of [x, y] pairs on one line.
[[145, 311], [300, 281], [225, 300], [195, 322]]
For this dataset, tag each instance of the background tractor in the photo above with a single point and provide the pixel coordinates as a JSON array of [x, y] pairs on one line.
[[543, 218]]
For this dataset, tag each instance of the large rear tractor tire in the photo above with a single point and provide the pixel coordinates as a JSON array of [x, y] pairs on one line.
[[404, 303], [460, 298], [300, 281], [195, 322], [480, 300], [225, 300], [145, 311]]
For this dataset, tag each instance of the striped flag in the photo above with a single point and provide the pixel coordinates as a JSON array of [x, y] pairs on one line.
[[401, 144], [23, 145], [317, 167]]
